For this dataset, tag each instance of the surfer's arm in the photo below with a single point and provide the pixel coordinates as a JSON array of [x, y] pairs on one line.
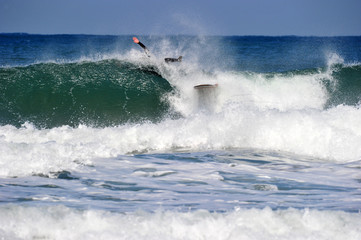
[[142, 45]]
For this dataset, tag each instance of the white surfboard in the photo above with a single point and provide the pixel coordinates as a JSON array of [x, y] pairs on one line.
[[207, 96], [205, 86]]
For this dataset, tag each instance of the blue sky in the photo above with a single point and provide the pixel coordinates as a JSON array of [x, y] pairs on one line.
[[206, 17]]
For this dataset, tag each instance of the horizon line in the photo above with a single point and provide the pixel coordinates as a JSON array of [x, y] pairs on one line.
[[192, 35]]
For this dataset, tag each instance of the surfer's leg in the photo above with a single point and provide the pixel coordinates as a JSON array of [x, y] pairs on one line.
[[142, 45]]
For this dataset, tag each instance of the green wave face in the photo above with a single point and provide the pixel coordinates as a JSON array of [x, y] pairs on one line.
[[101, 94], [113, 92], [347, 87]]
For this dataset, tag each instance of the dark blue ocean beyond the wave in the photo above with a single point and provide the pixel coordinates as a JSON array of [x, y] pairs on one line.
[[93, 133], [240, 53]]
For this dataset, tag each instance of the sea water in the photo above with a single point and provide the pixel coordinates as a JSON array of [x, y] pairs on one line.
[[98, 141]]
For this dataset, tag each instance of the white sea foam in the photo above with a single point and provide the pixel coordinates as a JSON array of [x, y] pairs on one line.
[[280, 112], [333, 134], [59, 222], [284, 113]]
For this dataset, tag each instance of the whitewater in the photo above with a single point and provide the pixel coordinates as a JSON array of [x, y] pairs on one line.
[[98, 141]]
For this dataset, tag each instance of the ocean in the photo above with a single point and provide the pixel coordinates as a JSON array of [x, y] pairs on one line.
[[99, 141]]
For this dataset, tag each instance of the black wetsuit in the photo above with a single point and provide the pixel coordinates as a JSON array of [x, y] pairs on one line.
[[145, 48]]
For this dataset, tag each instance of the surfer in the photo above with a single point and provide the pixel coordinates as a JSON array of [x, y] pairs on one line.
[[167, 60]]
